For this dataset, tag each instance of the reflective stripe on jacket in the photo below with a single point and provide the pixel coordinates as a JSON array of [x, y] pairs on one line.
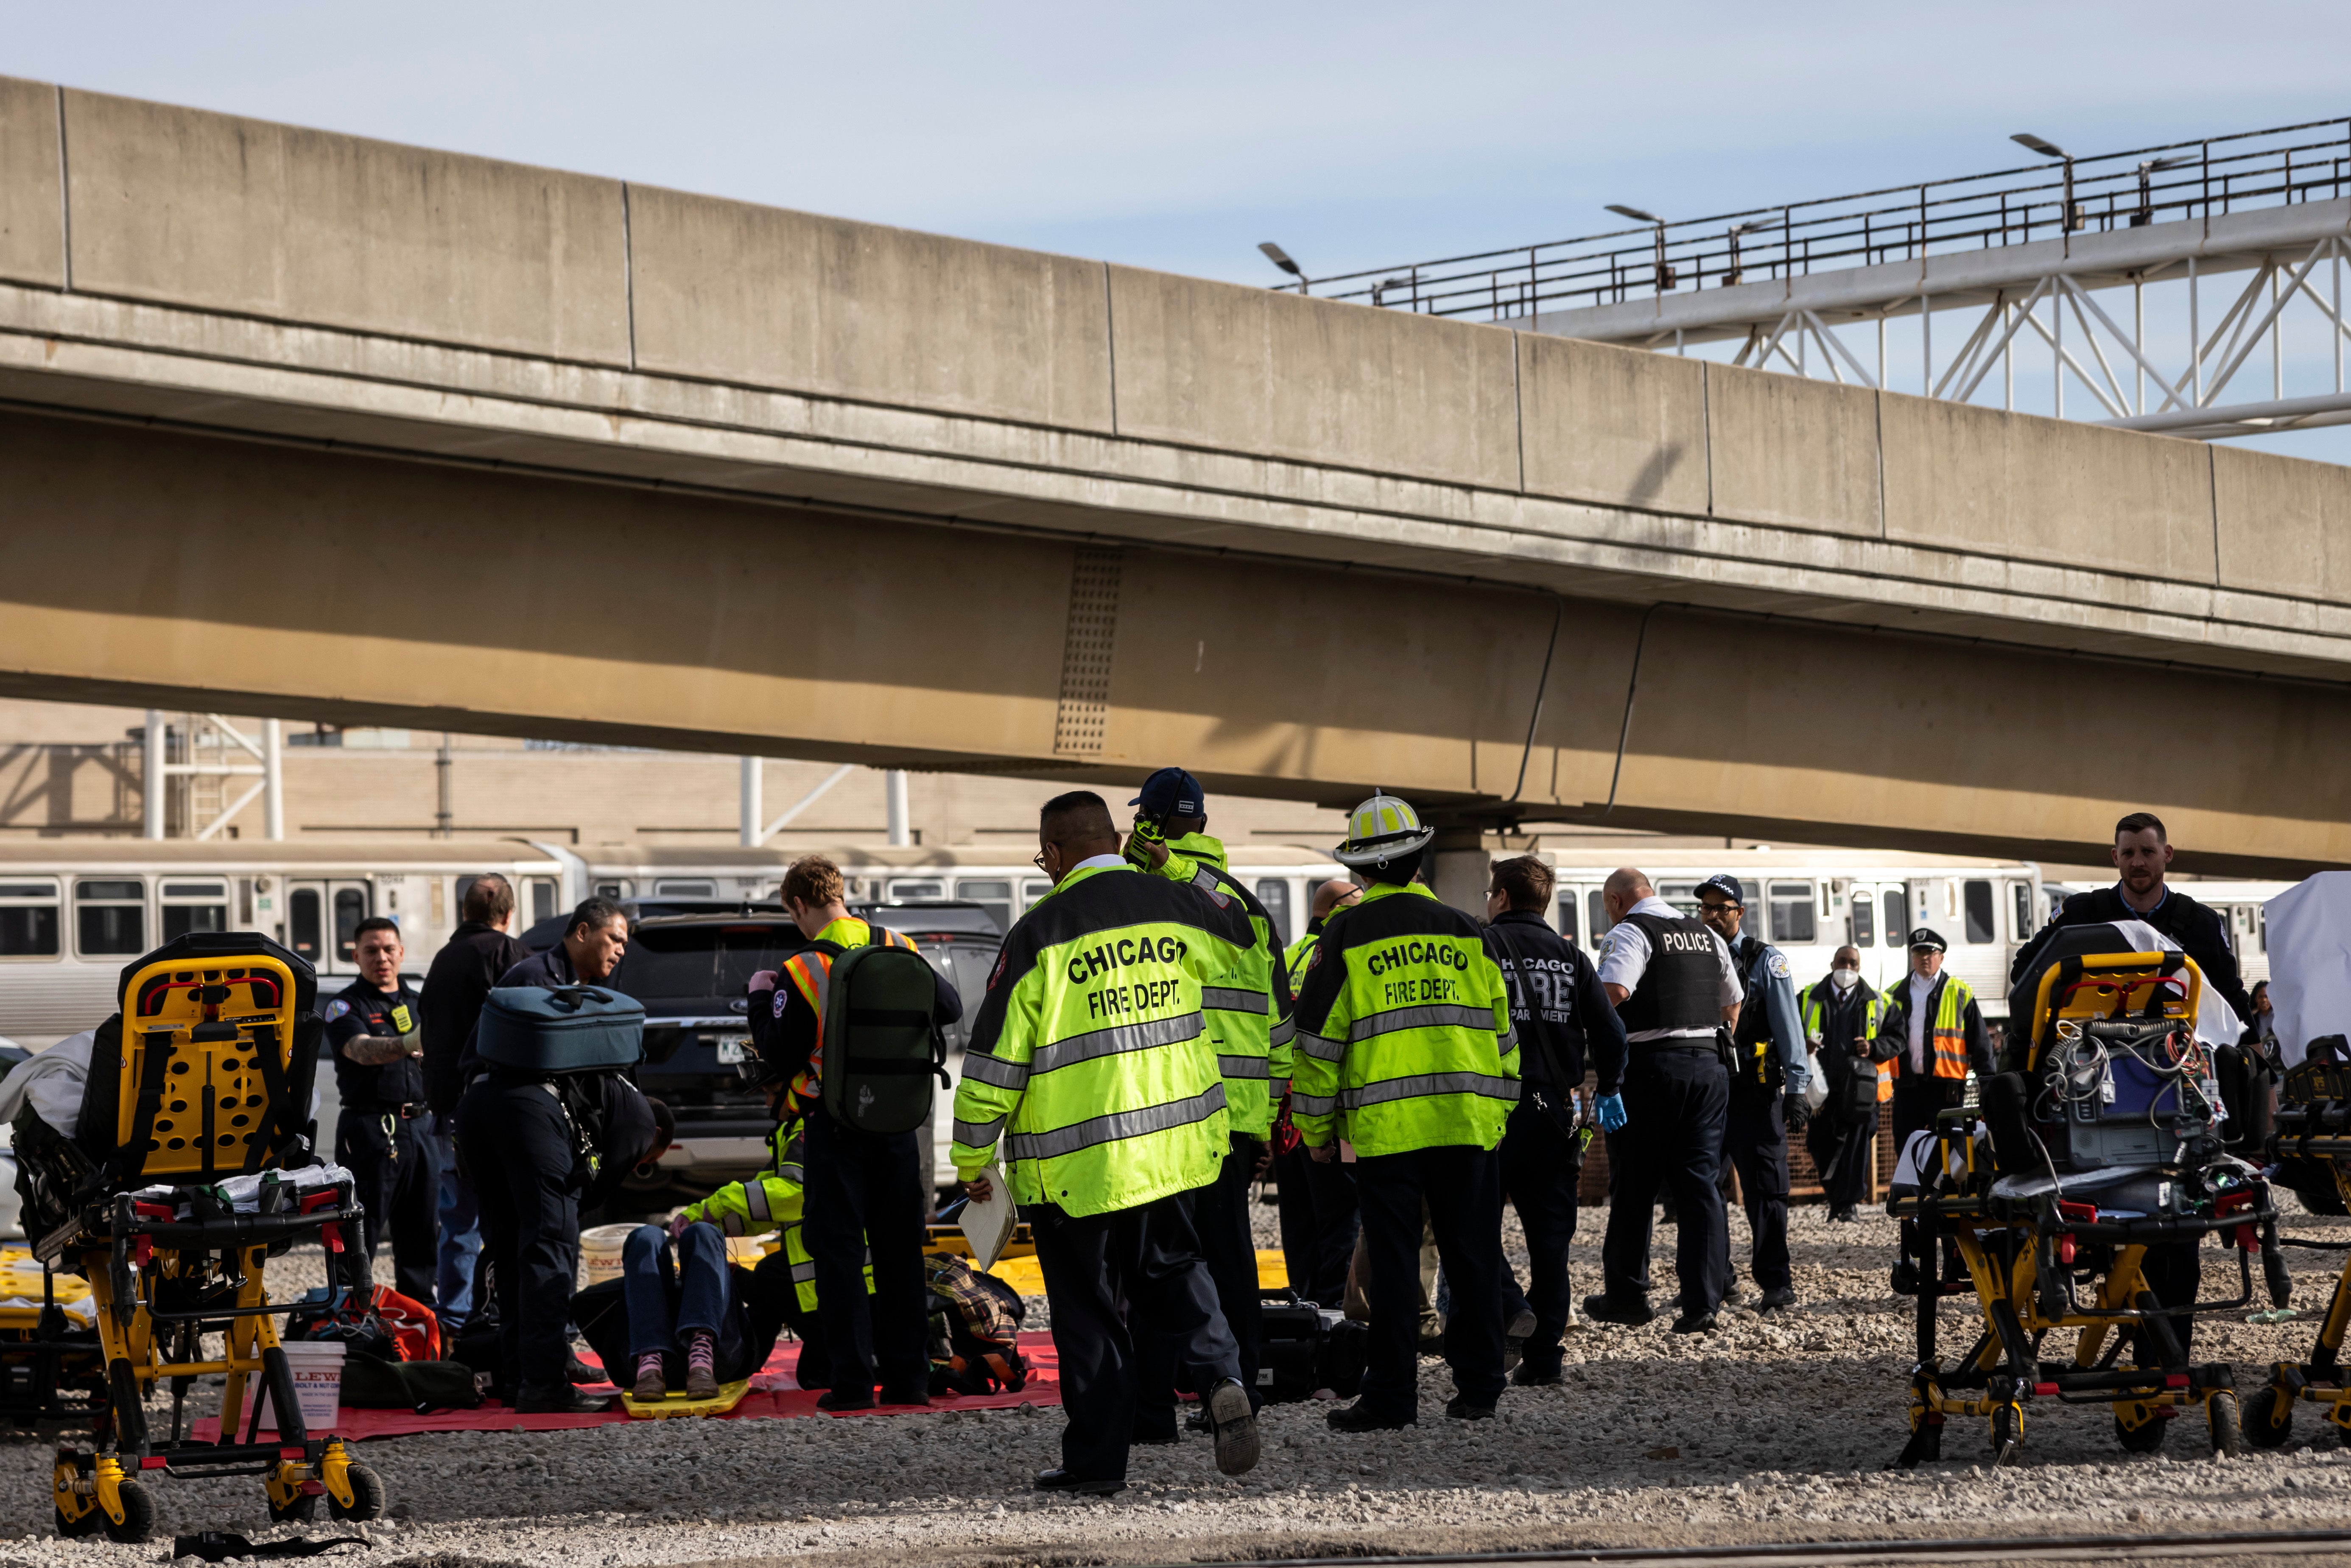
[[1247, 1009], [1404, 1033], [1091, 1061], [773, 1202], [1873, 1010]]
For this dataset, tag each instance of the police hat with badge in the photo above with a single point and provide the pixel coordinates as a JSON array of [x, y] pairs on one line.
[[1924, 940]]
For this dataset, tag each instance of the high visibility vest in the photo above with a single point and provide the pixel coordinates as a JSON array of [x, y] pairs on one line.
[[1248, 1010], [1090, 1060], [1298, 956], [1404, 1039], [1873, 1010], [809, 971], [1946, 1033], [772, 1202]]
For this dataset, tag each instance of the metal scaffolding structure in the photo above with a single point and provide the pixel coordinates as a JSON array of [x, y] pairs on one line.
[[2065, 256]]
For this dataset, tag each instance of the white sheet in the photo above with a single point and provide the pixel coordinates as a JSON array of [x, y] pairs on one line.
[[2216, 1022], [52, 1080], [2310, 961]]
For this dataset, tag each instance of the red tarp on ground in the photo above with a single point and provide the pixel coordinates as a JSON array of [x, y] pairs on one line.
[[773, 1393]]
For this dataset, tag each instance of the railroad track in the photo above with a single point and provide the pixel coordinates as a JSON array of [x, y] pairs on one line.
[[2316, 1545]]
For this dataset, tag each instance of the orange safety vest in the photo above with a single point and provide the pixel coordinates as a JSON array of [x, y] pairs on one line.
[[1948, 1034], [810, 969]]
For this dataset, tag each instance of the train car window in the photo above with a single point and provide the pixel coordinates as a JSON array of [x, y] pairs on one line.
[[1982, 915], [902, 888], [351, 908], [195, 906], [109, 918], [684, 887], [1274, 894], [2023, 895], [1865, 921], [1752, 893], [1682, 895], [1033, 889], [1792, 913], [542, 899], [29, 920], [1564, 915], [1897, 926], [1595, 911], [306, 923], [611, 889], [994, 896]]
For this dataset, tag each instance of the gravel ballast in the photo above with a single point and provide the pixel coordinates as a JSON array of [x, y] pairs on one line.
[[1771, 1429]]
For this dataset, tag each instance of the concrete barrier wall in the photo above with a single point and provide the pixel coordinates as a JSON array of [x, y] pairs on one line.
[[1794, 453], [1613, 427], [217, 212], [728, 291], [211, 212], [2284, 524], [2043, 490], [1247, 369], [32, 201]]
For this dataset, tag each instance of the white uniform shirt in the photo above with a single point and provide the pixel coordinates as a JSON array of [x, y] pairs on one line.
[[1626, 958], [1921, 987]]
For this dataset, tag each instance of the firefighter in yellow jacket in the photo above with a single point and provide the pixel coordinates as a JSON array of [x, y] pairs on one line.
[[1092, 1065]]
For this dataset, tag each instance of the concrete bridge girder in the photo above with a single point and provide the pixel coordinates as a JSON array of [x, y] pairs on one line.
[[167, 568]]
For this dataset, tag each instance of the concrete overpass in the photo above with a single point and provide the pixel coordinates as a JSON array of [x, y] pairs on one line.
[[307, 425]]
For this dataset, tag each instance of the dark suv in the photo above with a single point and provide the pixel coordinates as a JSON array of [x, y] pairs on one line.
[[689, 972]]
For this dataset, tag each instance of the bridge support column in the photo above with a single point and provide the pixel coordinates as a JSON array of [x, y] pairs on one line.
[[157, 778], [1457, 863]]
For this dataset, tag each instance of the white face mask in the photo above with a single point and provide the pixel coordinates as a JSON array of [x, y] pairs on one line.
[[1844, 978]]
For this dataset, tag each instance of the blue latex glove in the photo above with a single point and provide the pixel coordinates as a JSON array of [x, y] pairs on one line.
[[1612, 1112]]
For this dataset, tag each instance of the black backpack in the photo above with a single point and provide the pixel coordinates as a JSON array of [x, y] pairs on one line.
[[880, 1048]]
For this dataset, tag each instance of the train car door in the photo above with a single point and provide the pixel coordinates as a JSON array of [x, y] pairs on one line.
[[1879, 914], [321, 918]]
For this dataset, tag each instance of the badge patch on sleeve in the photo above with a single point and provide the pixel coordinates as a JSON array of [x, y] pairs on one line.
[[338, 1008]]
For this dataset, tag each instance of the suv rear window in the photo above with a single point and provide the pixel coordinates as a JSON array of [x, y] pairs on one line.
[[703, 960]]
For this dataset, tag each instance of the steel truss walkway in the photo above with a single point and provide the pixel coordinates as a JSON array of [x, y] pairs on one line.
[[2034, 257]]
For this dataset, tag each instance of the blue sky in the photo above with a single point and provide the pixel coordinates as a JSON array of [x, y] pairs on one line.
[[1357, 136]]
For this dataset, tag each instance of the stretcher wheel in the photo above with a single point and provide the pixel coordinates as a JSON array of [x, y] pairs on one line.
[[367, 1496], [2268, 1418], [2146, 1439], [2007, 1433], [86, 1525], [138, 1512], [2227, 1433], [303, 1509]]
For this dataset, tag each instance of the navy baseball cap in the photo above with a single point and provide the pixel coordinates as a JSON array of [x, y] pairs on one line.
[[1727, 885], [1171, 792]]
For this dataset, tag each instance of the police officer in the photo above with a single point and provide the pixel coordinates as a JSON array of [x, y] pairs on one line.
[[1317, 1201], [1090, 1065], [1405, 1049], [373, 1027], [868, 1191], [1840, 1016], [1560, 1014], [1767, 1086], [1248, 1014], [1932, 1034], [1674, 985]]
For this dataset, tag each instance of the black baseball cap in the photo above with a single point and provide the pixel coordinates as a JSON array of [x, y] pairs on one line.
[[1171, 792], [1927, 939], [1725, 884]]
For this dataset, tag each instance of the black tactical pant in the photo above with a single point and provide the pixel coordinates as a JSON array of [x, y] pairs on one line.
[[1318, 1225], [1220, 1218], [397, 1179], [865, 1193], [1755, 1137], [1150, 1257], [1539, 1171], [1462, 1186], [1676, 1100], [516, 1146]]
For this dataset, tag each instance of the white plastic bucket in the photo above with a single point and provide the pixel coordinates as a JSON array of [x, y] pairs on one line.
[[318, 1369], [599, 1253]]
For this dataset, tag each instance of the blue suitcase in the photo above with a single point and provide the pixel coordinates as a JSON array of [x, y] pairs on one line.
[[579, 1029]]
